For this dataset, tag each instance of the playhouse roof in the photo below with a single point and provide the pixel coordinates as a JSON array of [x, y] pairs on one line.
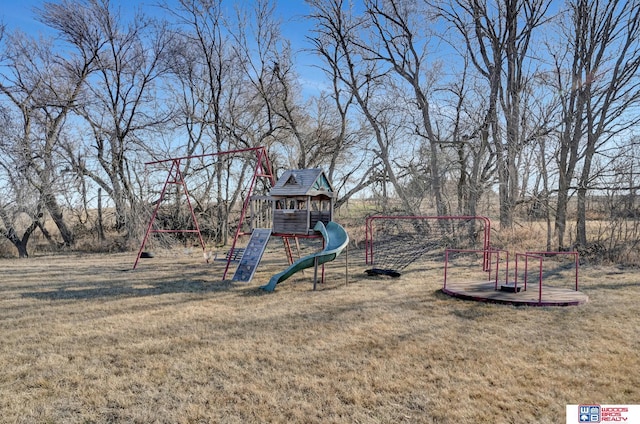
[[303, 182]]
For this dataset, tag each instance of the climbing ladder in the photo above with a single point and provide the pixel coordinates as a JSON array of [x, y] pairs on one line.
[[252, 255]]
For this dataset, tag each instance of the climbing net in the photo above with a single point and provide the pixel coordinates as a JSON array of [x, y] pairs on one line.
[[395, 242]]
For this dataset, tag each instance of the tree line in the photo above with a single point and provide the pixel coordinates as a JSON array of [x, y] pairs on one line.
[[425, 104]]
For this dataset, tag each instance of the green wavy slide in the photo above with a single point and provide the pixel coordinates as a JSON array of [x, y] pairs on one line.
[[335, 240]]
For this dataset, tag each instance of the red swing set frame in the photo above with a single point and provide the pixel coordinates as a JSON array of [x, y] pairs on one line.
[[175, 177]]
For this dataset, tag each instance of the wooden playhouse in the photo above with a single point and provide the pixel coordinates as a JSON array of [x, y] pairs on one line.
[[299, 199]]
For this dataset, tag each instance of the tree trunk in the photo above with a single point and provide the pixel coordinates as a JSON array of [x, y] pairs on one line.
[[506, 217], [561, 218], [56, 213], [583, 185], [19, 243], [100, 222]]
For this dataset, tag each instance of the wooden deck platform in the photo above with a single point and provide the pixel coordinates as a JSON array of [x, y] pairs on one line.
[[485, 292]]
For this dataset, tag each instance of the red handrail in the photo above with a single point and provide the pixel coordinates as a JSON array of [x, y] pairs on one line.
[[575, 255], [526, 257], [486, 254]]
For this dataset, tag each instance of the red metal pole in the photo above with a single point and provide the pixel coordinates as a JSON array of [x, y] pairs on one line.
[[228, 152], [577, 261], [576, 258], [446, 262], [155, 212], [368, 239], [497, 268], [526, 256], [506, 271], [446, 265], [515, 273], [526, 271], [540, 282], [486, 241], [193, 214], [260, 156]]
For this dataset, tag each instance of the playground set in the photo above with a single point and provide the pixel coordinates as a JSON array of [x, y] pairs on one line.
[[299, 205], [394, 242]]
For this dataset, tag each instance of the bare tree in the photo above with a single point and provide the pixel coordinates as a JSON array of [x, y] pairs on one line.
[[499, 36], [43, 88], [121, 103], [597, 80], [20, 207], [301, 132], [17, 197], [202, 65], [474, 153], [344, 149], [269, 67], [337, 39], [225, 86], [400, 39]]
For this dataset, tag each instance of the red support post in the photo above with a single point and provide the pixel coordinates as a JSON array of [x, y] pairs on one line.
[[262, 169], [574, 254], [258, 171], [485, 253], [176, 174]]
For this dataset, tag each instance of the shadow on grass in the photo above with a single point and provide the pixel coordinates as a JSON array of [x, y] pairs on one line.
[[610, 286], [253, 292], [475, 310], [82, 292]]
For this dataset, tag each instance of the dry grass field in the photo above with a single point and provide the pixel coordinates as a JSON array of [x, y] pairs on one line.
[[87, 340]]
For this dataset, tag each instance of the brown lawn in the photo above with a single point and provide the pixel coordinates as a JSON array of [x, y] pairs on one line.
[[87, 340]]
